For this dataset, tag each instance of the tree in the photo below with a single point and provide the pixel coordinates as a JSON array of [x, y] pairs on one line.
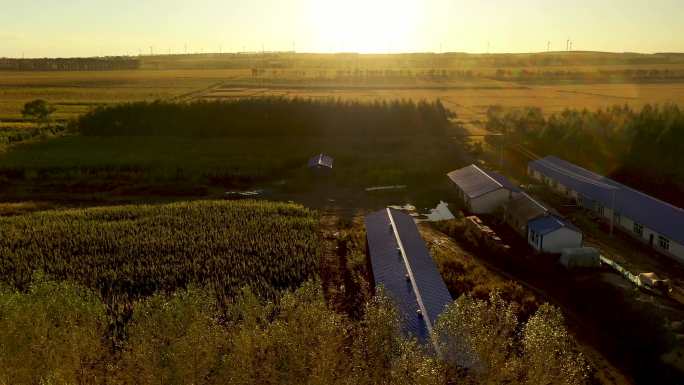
[[39, 110], [549, 353]]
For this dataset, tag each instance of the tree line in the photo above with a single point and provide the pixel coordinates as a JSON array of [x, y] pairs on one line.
[[642, 146], [55, 333], [70, 64], [271, 116]]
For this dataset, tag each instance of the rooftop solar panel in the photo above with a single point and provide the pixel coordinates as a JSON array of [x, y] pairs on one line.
[[403, 266]]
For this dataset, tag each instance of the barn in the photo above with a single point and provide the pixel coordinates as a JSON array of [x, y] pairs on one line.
[[481, 192], [321, 162], [650, 220], [401, 263], [551, 234], [520, 210]]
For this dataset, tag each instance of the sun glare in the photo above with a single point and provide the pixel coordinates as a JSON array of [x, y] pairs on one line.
[[365, 26]]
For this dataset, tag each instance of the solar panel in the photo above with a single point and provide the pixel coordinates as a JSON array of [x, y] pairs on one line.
[[389, 232]]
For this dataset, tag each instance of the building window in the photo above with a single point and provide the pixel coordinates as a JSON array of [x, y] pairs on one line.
[[663, 242], [617, 217], [600, 210], [639, 229]]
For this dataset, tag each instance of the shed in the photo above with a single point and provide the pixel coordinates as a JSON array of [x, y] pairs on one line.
[[551, 234], [401, 263], [582, 257], [482, 192], [521, 210], [321, 161]]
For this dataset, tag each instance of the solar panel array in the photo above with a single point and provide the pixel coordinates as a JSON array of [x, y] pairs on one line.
[[402, 264]]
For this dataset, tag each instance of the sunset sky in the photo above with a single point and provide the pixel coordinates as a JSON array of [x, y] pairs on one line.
[[40, 28]]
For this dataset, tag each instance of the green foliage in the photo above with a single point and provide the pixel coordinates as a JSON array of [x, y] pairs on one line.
[[53, 333], [485, 338], [296, 339], [239, 144], [131, 251], [39, 110], [479, 335], [271, 116], [550, 355], [641, 144], [175, 339]]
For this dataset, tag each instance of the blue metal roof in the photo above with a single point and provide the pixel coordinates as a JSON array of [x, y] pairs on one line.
[[476, 182], [390, 269], [653, 213], [548, 224], [321, 160]]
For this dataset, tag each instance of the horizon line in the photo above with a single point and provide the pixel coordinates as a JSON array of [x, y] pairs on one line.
[[259, 52]]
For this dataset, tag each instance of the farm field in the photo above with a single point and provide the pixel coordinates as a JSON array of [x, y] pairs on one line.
[[74, 93], [127, 252], [470, 103]]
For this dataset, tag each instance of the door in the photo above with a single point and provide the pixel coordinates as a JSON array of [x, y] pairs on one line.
[[650, 240]]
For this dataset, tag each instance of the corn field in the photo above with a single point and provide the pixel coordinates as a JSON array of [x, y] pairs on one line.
[[129, 252]]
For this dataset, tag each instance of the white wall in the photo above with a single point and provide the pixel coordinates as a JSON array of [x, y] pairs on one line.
[[627, 224], [490, 202], [560, 239], [677, 251]]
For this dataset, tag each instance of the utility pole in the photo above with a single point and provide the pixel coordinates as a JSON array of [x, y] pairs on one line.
[[548, 46], [151, 51], [612, 211]]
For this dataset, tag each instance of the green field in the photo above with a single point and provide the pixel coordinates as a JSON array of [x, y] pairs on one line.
[[131, 251]]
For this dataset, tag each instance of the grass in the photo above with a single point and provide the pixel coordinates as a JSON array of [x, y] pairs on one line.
[[124, 161]]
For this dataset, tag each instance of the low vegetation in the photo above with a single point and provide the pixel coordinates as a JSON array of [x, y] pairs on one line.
[[236, 144]]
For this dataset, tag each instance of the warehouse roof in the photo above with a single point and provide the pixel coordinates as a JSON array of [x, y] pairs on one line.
[[550, 223], [525, 208], [653, 213], [321, 160], [476, 182], [396, 251]]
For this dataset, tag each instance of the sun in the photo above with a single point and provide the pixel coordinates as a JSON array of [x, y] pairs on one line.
[[365, 26]]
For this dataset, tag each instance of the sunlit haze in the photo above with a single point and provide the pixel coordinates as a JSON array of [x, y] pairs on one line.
[[75, 28]]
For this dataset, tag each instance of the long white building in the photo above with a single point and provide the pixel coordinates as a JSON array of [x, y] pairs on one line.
[[652, 221]]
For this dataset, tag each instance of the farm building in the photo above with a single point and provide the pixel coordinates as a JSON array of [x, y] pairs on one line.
[[519, 211], [321, 162], [401, 263], [482, 192], [652, 221], [551, 234]]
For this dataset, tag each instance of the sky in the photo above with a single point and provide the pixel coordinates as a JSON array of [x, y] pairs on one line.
[[67, 28]]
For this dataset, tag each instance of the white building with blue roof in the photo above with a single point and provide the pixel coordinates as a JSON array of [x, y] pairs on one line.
[[652, 221], [551, 234]]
